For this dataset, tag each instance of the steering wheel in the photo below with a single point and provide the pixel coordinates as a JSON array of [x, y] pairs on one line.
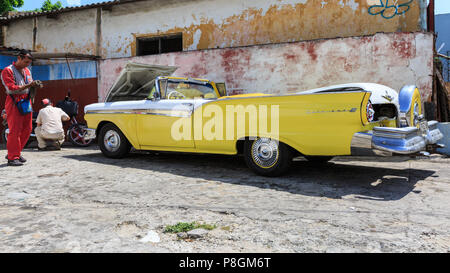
[[177, 94]]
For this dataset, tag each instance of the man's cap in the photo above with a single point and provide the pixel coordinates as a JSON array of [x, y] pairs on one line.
[[46, 102], [25, 53]]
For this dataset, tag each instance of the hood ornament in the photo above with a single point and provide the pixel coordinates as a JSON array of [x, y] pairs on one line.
[[387, 97]]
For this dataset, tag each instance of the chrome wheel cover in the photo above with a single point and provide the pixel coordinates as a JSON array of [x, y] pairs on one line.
[[265, 152], [112, 141]]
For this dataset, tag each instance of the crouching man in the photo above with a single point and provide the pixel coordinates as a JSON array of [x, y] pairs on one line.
[[49, 125]]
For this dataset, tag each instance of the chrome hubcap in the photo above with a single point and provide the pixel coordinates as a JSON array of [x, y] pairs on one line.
[[112, 141], [265, 152]]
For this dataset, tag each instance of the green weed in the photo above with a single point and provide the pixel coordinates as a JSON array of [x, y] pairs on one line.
[[185, 227]]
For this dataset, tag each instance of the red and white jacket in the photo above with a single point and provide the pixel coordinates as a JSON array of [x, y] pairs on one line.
[[12, 79]]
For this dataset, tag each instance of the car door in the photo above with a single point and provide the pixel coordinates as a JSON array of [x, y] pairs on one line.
[[165, 123]]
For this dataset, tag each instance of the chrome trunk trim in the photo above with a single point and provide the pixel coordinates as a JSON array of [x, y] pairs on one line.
[[388, 140]]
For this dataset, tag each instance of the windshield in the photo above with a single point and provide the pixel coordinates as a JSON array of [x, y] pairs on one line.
[[176, 89]]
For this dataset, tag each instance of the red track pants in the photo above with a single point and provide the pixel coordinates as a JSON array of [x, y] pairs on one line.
[[20, 127]]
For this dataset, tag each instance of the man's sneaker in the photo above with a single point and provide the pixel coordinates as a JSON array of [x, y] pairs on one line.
[[42, 149], [21, 159], [14, 162]]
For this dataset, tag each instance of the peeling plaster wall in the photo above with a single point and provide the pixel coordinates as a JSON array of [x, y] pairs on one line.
[[394, 60], [72, 32], [20, 34], [207, 24], [232, 23]]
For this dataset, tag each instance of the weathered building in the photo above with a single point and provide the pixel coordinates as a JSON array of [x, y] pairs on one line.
[[275, 46], [121, 28], [392, 59]]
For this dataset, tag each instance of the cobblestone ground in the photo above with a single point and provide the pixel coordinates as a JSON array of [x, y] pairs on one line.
[[76, 200]]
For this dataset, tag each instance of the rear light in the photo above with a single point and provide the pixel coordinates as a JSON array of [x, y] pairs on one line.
[[367, 112], [370, 113]]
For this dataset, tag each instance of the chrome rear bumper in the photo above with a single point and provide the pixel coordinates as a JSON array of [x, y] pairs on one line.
[[388, 141]]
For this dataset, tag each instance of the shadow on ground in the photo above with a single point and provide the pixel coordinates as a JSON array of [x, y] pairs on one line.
[[333, 180]]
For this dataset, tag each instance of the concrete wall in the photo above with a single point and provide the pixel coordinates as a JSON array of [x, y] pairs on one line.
[[207, 24], [72, 32], [394, 59], [443, 38]]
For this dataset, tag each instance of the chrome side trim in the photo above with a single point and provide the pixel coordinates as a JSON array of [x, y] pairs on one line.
[[157, 112], [401, 131], [107, 112]]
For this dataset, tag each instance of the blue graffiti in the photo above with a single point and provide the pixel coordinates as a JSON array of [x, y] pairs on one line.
[[389, 11]]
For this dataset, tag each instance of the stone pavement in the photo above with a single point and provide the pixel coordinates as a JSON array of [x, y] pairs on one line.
[[76, 200]]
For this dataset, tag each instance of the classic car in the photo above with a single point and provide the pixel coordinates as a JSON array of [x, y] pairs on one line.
[[150, 110]]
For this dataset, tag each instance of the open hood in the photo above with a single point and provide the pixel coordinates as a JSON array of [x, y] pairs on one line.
[[136, 81]]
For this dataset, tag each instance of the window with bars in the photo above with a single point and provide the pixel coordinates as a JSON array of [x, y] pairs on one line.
[[159, 44]]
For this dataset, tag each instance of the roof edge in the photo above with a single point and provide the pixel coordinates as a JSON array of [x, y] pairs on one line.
[[20, 16]]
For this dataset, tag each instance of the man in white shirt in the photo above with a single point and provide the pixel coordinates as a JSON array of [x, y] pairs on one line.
[[49, 125]]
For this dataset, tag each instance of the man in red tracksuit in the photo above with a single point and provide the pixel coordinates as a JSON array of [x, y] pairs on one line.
[[17, 80]]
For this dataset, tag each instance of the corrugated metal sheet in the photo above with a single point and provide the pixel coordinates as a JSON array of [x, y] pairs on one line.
[[60, 71], [443, 41], [80, 70], [6, 60], [57, 82], [84, 91]]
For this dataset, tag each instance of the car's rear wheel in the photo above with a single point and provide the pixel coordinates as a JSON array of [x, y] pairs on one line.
[[267, 157], [113, 142]]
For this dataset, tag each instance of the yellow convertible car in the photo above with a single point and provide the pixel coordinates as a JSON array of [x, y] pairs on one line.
[[163, 113]]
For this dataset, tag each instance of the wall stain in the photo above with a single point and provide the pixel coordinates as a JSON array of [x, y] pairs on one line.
[[289, 23]]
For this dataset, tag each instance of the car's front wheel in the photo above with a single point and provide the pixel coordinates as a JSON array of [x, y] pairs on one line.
[[113, 142], [267, 157]]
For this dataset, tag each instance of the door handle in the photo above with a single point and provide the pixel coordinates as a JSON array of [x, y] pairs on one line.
[[188, 104]]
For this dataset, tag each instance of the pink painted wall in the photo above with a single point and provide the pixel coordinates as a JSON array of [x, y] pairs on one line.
[[394, 59]]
